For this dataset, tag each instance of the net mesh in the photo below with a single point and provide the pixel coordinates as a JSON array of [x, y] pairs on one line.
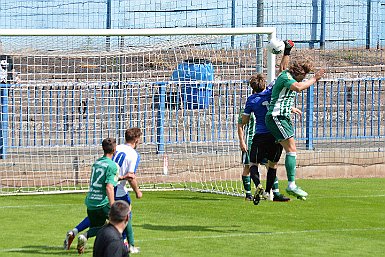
[[66, 94]]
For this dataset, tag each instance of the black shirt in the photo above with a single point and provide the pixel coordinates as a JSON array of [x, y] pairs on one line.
[[109, 243]]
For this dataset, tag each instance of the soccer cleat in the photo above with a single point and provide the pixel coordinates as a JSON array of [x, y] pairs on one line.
[[297, 192], [249, 197], [280, 198], [267, 196], [259, 194], [125, 242], [82, 241], [132, 249], [68, 241]]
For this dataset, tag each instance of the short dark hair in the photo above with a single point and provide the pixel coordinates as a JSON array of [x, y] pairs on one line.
[[119, 211], [257, 83], [108, 145], [132, 134]]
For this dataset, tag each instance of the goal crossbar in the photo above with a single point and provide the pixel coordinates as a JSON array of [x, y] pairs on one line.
[[139, 32], [269, 31]]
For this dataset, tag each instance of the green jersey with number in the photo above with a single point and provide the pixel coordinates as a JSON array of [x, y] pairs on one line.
[[282, 98], [104, 171], [249, 129]]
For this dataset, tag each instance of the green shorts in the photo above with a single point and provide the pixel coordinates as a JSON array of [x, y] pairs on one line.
[[280, 126], [97, 218]]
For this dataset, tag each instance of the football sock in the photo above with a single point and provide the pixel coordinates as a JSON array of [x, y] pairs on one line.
[[271, 175], [84, 224], [290, 164], [275, 187], [291, 185], [246, 184], [130, 233], [254, 175]]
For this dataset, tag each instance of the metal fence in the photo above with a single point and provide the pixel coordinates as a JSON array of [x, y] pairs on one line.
[[335, 113]]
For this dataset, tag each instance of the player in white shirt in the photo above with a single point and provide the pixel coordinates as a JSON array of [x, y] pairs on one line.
[[128, 160]]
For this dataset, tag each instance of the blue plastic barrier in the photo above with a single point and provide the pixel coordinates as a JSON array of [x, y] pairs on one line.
[[195, 95]]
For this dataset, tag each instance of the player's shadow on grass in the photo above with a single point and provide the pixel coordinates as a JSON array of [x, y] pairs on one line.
[[226, 229], [30, 250]]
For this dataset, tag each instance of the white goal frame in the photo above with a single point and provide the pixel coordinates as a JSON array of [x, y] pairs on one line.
[[269, 31], [231, 169]]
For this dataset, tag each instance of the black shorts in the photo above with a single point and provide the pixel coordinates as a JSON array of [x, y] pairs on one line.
[[264, 146]]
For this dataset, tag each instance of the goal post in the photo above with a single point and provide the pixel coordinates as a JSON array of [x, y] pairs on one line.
[[72, 88]]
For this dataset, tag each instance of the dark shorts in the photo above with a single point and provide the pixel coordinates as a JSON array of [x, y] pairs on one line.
[[98, 217], [264, 146]]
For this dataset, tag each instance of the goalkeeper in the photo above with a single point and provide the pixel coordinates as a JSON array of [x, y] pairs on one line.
[[263, 142]]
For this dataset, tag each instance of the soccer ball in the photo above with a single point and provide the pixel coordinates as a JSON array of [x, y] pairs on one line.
[[275, 46]]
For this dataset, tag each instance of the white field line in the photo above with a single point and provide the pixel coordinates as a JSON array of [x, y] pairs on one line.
[[265, 234], [228, 235]]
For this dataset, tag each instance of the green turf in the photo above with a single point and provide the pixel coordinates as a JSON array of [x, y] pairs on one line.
[[342, 217]]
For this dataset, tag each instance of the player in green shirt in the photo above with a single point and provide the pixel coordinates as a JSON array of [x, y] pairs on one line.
[[245, 141], [100, 196], [278, 118]]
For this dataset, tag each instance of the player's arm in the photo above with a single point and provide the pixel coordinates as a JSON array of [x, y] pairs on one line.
[[110, 193], [284, 64], [241, 132], [134, 185], [300, 86], [129, 176], [286, 55]]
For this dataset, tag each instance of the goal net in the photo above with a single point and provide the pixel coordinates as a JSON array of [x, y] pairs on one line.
[[64, 91]]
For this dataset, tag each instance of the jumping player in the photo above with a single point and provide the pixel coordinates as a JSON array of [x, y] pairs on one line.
[[263, 144], [278, 118]]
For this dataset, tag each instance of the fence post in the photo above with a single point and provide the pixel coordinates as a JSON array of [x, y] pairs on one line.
[[4, 121], [323, 24], [233, 5], [309, 117], [260, 22], [108, 24], [160, 118], [314, 24], [368, 14]]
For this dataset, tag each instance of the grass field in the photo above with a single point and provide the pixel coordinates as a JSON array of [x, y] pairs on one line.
[[342, 217]]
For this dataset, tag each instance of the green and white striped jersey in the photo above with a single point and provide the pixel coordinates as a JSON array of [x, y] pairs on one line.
[[282, 98]]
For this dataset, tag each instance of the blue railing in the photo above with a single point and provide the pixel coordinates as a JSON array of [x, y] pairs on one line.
[[342, 110], [74, 114]]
